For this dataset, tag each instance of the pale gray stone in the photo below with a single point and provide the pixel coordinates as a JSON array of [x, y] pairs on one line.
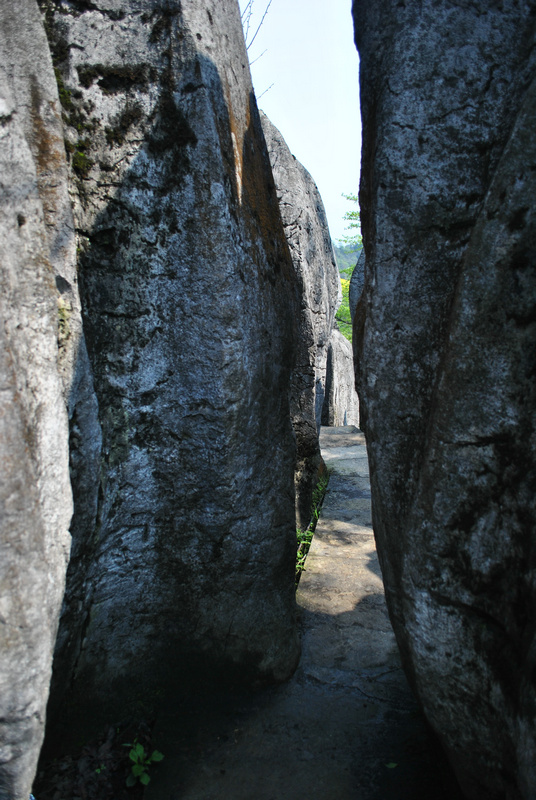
[[35, 498], [341, 403], [307, 232], [445, 366]]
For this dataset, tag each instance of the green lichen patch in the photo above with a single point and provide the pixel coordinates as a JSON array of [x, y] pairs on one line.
[[81, 164], [59, 47], [76, 114], [64, 93]]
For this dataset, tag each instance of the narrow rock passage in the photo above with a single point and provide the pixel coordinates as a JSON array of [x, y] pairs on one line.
[[346, 726]]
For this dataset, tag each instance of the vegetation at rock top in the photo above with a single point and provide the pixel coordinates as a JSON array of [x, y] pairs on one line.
[[343, 316], [346, 254], [353, 218]]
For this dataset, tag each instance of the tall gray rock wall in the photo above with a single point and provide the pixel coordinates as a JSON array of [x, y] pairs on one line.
[[357, 281], [445, 342], [307, 232], [188, 297], [36, 249], [341, 403]]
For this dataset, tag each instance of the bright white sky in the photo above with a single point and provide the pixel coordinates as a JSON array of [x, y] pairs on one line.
[[313, 65]]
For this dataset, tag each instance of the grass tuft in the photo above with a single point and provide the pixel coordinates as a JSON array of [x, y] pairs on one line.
[[306, 537]]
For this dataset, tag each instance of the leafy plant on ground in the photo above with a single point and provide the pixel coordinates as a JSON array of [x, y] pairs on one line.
[[142, 761], [306, 537], [97, 770]]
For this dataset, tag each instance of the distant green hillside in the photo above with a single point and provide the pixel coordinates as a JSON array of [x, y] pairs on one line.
[[346, 256]]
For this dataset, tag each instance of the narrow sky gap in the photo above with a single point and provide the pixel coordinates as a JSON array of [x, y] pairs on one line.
[[313, 65]]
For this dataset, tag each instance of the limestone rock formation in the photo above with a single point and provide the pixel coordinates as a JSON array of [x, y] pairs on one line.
[[184, 543], [445, 339], [341, 403], [36, 247], [357, 281], [307, 232]]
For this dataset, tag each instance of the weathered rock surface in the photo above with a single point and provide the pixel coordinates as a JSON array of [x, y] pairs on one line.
[[445, 339], [36, 245], [341, 403], [188, 296], [307, 232], [357, 281]]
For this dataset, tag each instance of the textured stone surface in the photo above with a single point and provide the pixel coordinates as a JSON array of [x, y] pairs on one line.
[[445, 340], [307, 232], [341, 403], [188, 295], [357, 282], [35, 495]]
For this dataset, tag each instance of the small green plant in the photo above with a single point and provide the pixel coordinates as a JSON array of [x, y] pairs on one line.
[[142, 761], [304, 542], [306, 537], [81, 164]]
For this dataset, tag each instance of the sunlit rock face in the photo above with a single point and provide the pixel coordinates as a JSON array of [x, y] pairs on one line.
[[307, 232], [445, 339], [36, 250], [341, 404], [188, 297]]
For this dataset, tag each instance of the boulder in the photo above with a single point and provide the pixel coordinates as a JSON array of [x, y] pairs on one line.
[[307, 232], [445, 338], [36, 248], [185, 535], [341, 403]]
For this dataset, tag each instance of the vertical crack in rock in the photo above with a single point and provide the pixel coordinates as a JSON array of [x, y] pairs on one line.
[[317, 276]]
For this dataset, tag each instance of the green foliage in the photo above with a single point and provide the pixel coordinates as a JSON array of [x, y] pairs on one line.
[[81, 164], [306, 537], [346, 256], [353, 219], [63, 93], [343, 316], [141, 763]]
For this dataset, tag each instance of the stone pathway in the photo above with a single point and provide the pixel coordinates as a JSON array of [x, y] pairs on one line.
[[346, 726]]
